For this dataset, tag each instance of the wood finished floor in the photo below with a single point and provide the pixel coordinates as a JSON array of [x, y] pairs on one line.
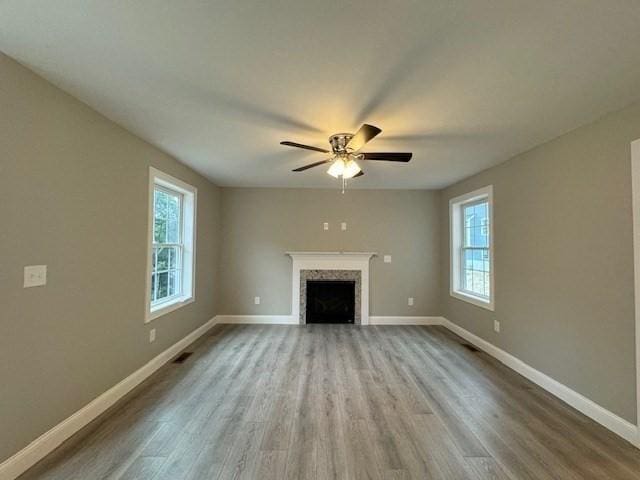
[[340, 402]]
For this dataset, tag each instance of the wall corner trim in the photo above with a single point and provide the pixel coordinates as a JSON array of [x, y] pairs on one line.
[[20, 462], [601, 415], [635, 203]]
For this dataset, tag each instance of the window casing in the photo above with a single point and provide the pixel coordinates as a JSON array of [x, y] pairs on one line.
[[171, 261], [472, 272]]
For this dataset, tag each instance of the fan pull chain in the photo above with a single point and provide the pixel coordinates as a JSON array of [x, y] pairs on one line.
[[344, 184]]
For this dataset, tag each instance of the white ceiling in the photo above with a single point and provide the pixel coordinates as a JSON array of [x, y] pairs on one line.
[[463, 84]]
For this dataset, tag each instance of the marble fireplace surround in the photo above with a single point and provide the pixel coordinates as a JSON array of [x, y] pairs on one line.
[[330, 266]]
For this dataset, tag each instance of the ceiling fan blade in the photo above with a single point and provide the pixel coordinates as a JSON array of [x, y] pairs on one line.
[[388, 156], [362, 136], [306, 147], [359, 174], [311, 165]]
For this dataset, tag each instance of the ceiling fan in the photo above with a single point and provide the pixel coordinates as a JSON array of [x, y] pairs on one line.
[[345, 153]]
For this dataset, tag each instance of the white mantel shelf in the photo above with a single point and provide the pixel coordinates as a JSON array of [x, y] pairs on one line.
[[309, 254], [331, 261]]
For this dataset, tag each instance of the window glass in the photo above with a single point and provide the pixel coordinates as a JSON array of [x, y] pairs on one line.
[[167, 245], [475, 264]]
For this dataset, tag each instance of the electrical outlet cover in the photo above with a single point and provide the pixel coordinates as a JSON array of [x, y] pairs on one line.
[[35, 276]]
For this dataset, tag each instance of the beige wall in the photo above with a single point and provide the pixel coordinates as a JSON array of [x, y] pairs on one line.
[[261, 224], [74, 196], [563, 260]]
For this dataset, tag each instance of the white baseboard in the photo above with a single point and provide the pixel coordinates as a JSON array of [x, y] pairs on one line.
[[378, 320], [264, 319], [604, 417], [43, 445], [289, 320]]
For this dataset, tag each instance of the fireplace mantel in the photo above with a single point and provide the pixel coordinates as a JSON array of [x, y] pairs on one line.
[[331, 261], [331, 254]]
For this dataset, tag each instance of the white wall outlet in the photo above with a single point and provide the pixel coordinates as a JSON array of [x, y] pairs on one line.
[[256, 300], [325, 226], [496, 326], [343, 226], [35, 276], [410, 301], [387, 259], [152, 335]]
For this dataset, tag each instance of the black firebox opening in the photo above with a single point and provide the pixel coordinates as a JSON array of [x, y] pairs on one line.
[[331, 301]]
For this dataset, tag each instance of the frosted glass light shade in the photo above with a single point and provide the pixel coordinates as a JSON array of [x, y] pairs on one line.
[[351, 169], [337, 168]]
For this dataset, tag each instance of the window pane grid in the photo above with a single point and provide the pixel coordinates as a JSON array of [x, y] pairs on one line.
[[167, 214], [166, 285]]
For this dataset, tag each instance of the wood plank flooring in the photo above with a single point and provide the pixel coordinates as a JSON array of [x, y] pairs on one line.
[[340, 402]]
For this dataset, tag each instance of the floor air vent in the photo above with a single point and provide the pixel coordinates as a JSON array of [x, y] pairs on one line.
[[182, 357], [470, 347]]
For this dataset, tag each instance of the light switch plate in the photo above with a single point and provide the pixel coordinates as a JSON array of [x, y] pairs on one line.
[[152, 335], [325, 225], [387, 259], [35, 276], [410, 301], [496, 326], [343, 225], [256, 300]]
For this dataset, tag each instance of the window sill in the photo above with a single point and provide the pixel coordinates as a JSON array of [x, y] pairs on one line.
[[169, 307], [477, 301]]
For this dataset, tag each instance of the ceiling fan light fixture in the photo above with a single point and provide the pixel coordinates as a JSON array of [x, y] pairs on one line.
[[337, 168], [351, 169], [345, 153]]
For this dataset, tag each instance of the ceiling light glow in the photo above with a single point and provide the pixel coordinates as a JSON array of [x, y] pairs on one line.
[[351, 169], [337, 168]]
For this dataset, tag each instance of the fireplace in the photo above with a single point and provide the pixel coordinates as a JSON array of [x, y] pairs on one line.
[[330, 266], [320, 280], [331, 301]]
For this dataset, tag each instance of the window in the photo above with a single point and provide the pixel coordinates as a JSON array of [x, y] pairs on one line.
[[172, 244], [471, 218], [168, 245]]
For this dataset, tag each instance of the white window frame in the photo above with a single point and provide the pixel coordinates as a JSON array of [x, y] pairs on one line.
[[188, 231], [455, 247]]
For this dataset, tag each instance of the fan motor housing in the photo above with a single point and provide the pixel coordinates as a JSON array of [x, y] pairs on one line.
[[339, 142]]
